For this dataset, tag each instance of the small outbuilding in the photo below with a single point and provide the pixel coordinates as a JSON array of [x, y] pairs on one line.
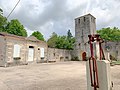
[[21, 50], [18, 50]]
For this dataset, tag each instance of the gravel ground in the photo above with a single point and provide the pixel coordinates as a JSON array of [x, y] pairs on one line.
[[51, 76], [115, 75]]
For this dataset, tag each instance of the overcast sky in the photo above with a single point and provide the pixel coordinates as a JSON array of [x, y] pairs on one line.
[[58, 16]]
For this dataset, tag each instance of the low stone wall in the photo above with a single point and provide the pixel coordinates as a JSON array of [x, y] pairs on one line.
[[113, 48], [58, 55]]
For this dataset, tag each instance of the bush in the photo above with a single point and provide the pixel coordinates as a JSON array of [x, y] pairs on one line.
[[75, 59], [113, 58]]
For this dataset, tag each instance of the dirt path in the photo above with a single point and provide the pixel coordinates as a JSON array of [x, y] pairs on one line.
[[52, 76]]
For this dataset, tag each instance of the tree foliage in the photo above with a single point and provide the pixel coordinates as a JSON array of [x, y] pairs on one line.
[[52, 40], [69, 34], [61, 42], [16, 28], [3, 21], [38, 35], [12, 27], [110, 34], [1, 11]]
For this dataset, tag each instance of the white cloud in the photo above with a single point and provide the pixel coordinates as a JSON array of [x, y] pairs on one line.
[[49, 16], [72, 4]]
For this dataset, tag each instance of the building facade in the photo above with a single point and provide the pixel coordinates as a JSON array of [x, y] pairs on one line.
[[111, 50], [59, 55], [84, 26], [20, 50], [17, 50]]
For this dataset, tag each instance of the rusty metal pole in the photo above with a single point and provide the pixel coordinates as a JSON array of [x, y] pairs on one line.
[[93, 67], [90, 39]]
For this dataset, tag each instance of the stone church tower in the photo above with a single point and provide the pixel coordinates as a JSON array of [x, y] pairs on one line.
[[84, 26]]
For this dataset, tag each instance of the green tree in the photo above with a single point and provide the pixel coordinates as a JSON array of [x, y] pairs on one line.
[[69, 34], [12, 27], [52, 40], [16, 28], [1, 11], [64, 43], [71, 43], [110, 34], [3, 21], [38, 35], [70, 40], [61, 42]]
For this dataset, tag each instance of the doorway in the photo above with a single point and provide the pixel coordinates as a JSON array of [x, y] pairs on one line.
[[84, 56], [31, 54]]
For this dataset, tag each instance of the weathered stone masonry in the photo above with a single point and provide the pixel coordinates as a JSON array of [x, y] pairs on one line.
[[7, 46], [20, 50], [84, 26]]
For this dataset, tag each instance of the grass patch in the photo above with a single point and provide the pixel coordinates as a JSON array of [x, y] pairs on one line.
[[116, 62]]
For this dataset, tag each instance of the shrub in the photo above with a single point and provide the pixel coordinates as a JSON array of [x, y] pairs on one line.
[[75, 59]]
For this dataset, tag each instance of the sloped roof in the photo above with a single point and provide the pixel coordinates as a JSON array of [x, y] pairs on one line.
[[11, 35], [32, 38], [86, 15]]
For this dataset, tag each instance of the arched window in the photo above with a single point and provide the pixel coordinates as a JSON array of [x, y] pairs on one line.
[[16, 52], [78, 20], [84, 19]]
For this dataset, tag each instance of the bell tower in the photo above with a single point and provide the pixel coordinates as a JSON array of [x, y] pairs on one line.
[[84, 26]]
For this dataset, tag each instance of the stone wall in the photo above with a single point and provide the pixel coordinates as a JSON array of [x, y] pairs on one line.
[[84, 26], [7, 48], [58, 55], [37, 46], [2, 50], [113, 48], [10, 42]]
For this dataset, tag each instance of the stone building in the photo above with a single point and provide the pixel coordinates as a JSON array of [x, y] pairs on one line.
[[20, 50], [24, 50], [84, 26]]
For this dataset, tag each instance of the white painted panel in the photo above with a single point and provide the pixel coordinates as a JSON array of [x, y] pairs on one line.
[[16, 52], [31, 54], [41, 52], [104, 75]]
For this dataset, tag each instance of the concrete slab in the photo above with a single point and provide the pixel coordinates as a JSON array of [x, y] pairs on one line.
[[104, 75]]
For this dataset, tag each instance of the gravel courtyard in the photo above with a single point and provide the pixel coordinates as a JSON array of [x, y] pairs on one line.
[[51, 76]]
